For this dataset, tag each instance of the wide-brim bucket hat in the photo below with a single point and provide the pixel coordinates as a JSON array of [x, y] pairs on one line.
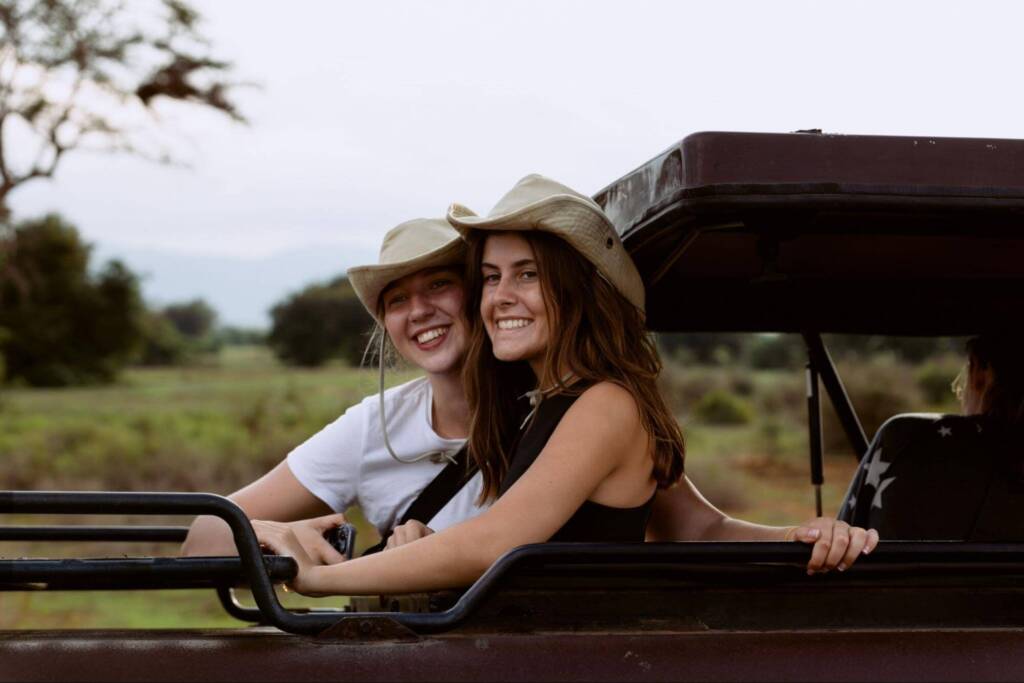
[[407, 248], [540, 203]]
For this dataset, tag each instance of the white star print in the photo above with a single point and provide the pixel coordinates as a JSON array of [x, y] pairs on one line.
[[945, 431], [876, 468], [877, 500]]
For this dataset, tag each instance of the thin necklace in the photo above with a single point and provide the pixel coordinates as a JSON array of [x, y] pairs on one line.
[[536, 395]]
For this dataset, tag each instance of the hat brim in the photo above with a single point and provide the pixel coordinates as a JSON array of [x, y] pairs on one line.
[[572, 219], [369, 281], [529, 217]]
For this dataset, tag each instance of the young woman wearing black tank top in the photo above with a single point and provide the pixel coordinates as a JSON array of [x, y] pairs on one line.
[[567, 425], [560, 308]]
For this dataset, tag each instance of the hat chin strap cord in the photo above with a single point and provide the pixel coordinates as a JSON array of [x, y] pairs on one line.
[[436, 456]]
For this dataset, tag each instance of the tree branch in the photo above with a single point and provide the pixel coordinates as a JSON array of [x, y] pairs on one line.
[[94, 43], [4, 171]]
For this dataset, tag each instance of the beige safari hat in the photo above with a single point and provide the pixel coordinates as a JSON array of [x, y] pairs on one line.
[[409, 247], [539, 203]]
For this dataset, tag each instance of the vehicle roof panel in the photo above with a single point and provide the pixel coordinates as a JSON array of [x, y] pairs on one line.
[[834, 233]]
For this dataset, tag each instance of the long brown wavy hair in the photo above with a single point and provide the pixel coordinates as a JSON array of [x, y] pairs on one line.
[[595, 334]]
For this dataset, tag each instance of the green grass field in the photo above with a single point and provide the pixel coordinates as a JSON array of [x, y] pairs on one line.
[[217, 426]]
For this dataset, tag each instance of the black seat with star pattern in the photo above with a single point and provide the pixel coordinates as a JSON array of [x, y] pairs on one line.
[[940, 477]]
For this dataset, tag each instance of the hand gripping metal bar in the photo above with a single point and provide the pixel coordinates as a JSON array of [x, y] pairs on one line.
[[133, 503], [747, 559]]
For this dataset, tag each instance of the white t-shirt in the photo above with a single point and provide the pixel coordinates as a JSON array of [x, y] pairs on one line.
[[346, 462]]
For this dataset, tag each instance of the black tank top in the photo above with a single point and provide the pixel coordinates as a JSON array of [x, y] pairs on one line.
[[592, 521]]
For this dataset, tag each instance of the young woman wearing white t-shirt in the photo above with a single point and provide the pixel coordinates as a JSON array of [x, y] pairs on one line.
[[384, 450]]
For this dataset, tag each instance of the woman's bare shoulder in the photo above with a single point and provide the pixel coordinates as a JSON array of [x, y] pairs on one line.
[[604, 422], [610, 399], [607, 390]]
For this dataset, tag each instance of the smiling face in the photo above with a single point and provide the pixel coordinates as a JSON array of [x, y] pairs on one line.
[[424, 316], [512, 301]]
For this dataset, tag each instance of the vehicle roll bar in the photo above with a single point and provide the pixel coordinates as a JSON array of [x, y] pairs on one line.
[[116, 534], [704, 563], [819, 357], [134, 503]]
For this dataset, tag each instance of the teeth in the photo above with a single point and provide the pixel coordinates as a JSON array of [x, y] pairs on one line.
[[431, 335], [513, 324]]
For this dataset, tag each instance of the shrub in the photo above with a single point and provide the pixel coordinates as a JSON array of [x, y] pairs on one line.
[[742, 384], [784, 396], [683, 386], [66, 326], [722, 408], [194, 319], [321, 322], [162, 343]]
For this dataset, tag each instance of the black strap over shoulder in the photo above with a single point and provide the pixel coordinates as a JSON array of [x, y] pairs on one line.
[[435, 496]]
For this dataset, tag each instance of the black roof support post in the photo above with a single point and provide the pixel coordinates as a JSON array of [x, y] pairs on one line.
[[819, 357], [814, 434]]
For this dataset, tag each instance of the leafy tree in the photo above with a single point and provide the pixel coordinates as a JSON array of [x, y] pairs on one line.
[[322, 321], [178, 332], [162, 343], [80, 74], [194, 319], [64, 325]]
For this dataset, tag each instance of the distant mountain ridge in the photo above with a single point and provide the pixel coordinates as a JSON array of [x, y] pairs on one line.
[[242, 290]]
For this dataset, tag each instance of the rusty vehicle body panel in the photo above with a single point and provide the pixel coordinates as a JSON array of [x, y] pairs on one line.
[[262, 655], [913, 612], [805, 233]]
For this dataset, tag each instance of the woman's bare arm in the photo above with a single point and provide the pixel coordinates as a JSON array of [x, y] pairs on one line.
[[683, 514], [599, 435], [277, 495]]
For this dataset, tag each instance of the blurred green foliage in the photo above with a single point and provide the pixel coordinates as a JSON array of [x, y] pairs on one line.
[[191, 428], [61, 324], [239, 336], [194, 319], [65, 325], [218, 426], [162, 343], [778, 351], [321, 322], [179, 333], [722, 408]]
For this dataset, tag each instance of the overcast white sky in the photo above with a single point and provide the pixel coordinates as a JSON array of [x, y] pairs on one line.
[[372, 113]]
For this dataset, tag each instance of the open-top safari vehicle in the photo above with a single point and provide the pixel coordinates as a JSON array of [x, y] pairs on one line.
[[796, 233]]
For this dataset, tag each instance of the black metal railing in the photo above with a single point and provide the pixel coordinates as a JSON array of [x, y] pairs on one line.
[[749, 563], [100, 533]]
